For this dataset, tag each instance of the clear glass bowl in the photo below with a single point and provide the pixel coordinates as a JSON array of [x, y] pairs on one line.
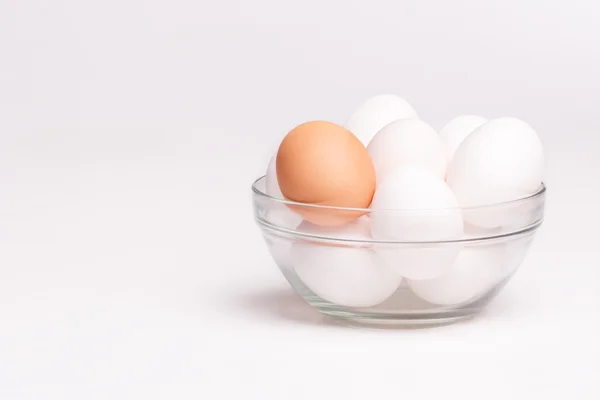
[[345, 273]]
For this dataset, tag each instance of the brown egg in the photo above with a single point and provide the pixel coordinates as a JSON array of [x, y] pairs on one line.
[[322, 163]]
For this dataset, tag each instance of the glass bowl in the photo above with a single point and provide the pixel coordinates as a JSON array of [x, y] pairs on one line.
[[345, 273]]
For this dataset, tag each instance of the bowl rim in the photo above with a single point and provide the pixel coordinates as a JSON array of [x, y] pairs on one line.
[[536, 195]]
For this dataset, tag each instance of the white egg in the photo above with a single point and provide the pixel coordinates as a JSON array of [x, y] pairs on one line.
[[377, 112], [278, 213], [358, 229], [407, 142], [478, 232], [502, 160], [455, 131], [347, 276], [281, 216], [413, 205], [280, 249], [476, 270], [271, 184], [505, 218]]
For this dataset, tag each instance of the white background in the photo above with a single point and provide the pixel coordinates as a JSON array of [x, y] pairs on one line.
[[130, 132]]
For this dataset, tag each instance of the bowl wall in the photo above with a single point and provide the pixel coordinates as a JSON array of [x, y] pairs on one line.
[[357, 284], [345, 273]]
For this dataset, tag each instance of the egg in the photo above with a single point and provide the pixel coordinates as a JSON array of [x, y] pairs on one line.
[[323, 164], [500, 161], [414, 205], [455, 131], [407, 142], [271, 184], [278, 214], [375, 113], [351, 276], [356, 230], [283, 217], [476, 270], [280, 249], [478, 232]]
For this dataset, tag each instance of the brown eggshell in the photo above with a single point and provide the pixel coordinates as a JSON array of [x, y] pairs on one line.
[[322, 163]]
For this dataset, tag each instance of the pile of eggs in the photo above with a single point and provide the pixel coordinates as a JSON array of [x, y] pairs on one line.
[[420, 186]]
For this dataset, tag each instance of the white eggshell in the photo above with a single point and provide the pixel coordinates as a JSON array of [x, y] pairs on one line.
[[280, 249], [506, 217], [455, 131], [377, 112], [271, 184], [413, 205], [278, 213], [502, 160], [475, 270], [359, 229], [478, 232], [407, 142], [281, 216], [347, 276]]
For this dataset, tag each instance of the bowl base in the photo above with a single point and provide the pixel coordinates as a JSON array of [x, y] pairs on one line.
[[402, 321], [404, 310]]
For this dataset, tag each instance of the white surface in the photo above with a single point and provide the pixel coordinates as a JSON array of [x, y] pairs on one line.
[[130, 132]]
